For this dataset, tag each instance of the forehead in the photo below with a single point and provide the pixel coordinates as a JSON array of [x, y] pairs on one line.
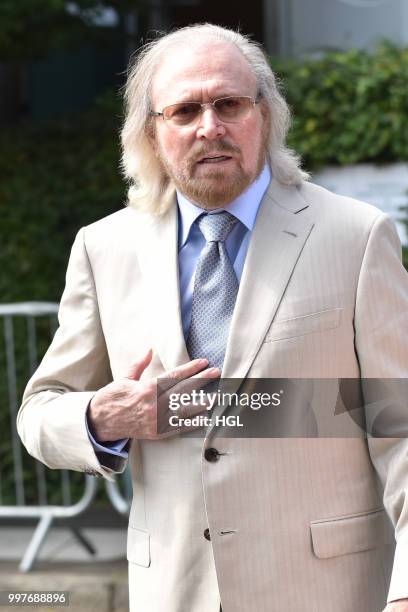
[[202, 70]]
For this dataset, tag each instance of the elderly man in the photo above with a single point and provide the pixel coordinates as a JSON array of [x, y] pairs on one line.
[[228, 262]]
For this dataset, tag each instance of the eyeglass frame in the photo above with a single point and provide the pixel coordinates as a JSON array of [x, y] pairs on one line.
[[255, 101]]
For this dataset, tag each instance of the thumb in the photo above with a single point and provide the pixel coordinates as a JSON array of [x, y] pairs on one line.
[[137, 369]]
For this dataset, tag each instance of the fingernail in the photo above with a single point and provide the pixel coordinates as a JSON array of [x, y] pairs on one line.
[[214, 371]]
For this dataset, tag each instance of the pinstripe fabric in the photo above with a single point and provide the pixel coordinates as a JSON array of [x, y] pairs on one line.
[[323, 295]]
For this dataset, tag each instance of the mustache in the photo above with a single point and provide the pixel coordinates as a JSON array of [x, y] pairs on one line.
[[220, 147]]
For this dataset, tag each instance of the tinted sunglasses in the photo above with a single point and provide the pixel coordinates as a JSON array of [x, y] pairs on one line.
[[230, 109]]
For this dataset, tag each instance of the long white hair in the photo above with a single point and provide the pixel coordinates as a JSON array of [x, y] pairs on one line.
[[150, 187]]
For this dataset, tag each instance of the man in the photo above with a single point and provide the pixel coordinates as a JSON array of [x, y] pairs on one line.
[[281, 279]]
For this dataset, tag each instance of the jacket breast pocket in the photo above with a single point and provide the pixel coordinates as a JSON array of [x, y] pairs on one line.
[[138, 546], [350, 534], [321, 321]]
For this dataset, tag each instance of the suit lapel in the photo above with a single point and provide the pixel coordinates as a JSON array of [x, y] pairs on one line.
[[158, 259], [282, 227]]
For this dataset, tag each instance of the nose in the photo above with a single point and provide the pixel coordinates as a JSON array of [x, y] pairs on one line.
[[209, 127]]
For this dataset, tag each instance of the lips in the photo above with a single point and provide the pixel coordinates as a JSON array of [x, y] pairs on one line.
[[214, 159]]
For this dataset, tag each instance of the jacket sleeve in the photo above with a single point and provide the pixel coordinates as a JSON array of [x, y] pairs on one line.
[[52, 418], [381, 331]]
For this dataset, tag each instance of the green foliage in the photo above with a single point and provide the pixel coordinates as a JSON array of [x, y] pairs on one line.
[[404, 214], [30, 28], [348, 107], [405, 256], [54, 178]]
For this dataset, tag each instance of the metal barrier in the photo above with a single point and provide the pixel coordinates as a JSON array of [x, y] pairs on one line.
[[120, 492], [16, 501]]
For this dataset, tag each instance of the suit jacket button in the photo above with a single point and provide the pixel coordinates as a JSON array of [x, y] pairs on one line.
[[207, 534], [211, 454]]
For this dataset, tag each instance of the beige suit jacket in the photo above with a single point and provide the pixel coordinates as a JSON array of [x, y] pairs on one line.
[[296, 524]]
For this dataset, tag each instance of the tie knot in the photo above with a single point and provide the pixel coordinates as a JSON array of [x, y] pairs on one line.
[[216, 227]]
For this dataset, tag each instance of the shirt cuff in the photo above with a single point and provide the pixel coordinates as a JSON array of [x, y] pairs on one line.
[[114, 447]]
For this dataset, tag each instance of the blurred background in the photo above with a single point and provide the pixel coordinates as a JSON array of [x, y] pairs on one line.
[[342, 65]]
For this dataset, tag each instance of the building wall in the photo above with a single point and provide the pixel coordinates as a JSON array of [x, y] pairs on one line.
[[312, 26]]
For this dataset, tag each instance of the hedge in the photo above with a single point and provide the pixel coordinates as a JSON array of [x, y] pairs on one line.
[[54, 177], [348, 107]]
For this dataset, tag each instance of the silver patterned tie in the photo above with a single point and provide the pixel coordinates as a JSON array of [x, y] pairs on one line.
[[215, 291]]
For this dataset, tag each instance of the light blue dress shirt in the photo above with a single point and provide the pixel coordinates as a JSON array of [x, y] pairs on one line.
[[191, 242]]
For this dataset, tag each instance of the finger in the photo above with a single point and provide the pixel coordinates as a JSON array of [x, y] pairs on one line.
[[170, 378], [196, 383], [138, 368], [208, 373], [171, 416], [188, 398], [192, 410]]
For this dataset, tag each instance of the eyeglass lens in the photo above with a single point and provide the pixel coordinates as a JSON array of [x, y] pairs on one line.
[[232, 108]]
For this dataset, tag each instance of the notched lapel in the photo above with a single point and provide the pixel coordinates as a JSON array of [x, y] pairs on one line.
[[158, 257], [282, 227]]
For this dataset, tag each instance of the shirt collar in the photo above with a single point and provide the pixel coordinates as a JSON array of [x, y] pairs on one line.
[[244, 207]]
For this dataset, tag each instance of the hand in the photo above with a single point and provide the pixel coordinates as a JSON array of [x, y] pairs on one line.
[[131, 408], [400, 605]]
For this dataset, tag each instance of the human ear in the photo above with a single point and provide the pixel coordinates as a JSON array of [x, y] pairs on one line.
[[150, 131]]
